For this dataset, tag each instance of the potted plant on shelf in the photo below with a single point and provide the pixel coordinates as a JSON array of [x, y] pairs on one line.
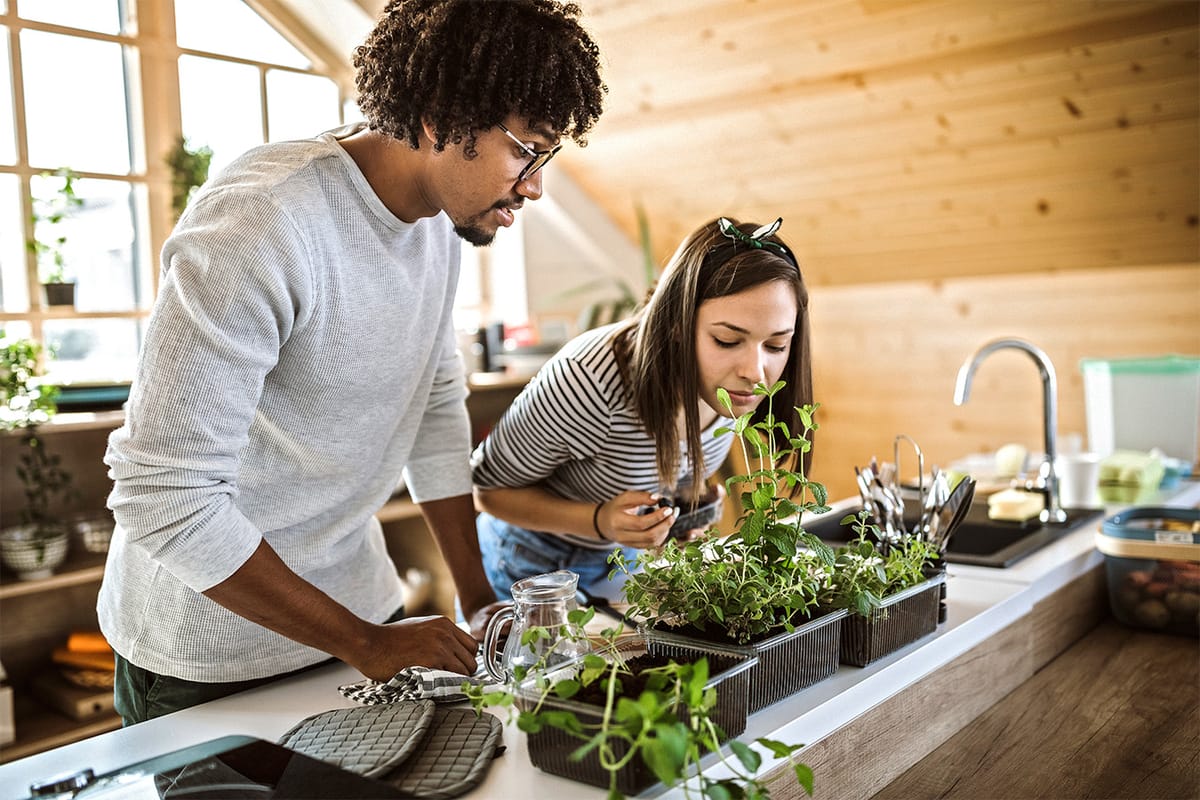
[[622, 718], [761, 586], [49, 243], [189, 170], [36, 547], [891, 589]]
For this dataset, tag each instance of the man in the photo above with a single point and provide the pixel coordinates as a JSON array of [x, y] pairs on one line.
[[301, 353]]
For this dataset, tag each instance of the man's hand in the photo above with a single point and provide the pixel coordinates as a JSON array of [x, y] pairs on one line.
[[434, 642], [480, 619]]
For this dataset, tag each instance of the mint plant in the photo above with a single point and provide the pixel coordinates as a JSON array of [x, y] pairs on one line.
[[668, 724], [863, 573], [769, 574]]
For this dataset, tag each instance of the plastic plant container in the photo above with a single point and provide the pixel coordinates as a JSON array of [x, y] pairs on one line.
[[550, 749], [786, 662], [901, 619], [1152, 562]]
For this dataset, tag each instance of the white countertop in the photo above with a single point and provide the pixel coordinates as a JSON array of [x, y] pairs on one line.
[[980, 602]]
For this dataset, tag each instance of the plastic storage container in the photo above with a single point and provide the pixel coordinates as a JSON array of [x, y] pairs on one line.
[[1152, 557], [1143, 403], [784, 663], [901, 619], [552, 750]]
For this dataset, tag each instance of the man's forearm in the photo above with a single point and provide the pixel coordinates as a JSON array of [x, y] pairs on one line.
[[266, 591], [452, 521]]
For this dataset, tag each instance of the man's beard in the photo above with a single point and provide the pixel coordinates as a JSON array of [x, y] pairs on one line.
[[469, 232], [473, 235]]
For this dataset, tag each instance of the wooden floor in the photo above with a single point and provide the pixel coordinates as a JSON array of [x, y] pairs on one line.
[[1115, 716]]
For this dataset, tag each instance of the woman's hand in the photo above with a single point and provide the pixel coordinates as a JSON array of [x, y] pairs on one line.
[[620, 520]]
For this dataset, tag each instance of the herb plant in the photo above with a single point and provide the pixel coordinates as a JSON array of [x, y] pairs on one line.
[[769, 574], [25, 402], [48, 213], [863, 573], [667, 725], [189, 169]]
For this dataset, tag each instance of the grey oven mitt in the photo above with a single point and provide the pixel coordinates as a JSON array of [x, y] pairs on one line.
[[368, 740], [454, 756]]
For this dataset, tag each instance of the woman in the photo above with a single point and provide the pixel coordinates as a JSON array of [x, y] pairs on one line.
[[624, 414]]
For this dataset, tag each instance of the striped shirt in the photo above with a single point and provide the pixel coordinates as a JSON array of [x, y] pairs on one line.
[[574, 431]]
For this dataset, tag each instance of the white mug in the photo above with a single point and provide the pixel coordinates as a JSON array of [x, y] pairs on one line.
[[1078, 480]]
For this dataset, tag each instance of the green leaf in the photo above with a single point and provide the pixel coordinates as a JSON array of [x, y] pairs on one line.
[[723, 399], [665, 753], [749, 758], [778, 749], [717, 791], [804, 777]]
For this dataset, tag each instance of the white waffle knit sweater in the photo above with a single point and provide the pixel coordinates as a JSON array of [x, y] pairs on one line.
[[300, 354]]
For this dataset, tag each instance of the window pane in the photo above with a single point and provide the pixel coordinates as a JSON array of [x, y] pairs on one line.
[[92, 350], [14, 285], [300, 106], [98, 251], [229, 120], [8, 134], [351, 112], [230, 28], [59, 111], [103, 16]]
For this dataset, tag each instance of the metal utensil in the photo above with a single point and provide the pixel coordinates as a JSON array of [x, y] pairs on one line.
[[954, 511]]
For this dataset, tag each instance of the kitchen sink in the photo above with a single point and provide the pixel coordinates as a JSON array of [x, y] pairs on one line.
[[978, 540]]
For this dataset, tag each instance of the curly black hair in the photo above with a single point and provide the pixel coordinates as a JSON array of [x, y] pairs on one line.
[[466, 65]]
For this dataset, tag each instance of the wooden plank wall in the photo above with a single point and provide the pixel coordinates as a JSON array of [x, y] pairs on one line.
[[908, 139], [887, 356], [948, 173]]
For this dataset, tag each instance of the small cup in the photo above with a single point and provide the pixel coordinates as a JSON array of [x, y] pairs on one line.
[[1078, 480]]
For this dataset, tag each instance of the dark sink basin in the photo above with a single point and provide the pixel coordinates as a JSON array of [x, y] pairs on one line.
[[978, 540]]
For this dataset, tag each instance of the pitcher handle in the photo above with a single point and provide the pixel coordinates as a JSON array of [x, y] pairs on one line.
[[492, 655]]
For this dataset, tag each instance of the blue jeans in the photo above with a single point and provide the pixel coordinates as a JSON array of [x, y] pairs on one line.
[[511, 553]]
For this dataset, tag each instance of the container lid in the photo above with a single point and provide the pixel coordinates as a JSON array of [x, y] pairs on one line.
[[1168, 364], [1162, 532]]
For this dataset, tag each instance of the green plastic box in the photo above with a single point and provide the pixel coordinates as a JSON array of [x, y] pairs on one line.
[[1143, 403]]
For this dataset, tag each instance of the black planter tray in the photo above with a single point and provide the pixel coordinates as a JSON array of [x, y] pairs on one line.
[[787, 662], [550, 749], [903, 618]]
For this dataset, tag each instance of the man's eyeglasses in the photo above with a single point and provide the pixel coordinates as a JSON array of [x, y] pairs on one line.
[[537, 159]]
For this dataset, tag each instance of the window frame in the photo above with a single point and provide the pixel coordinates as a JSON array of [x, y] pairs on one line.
[[152, 86]]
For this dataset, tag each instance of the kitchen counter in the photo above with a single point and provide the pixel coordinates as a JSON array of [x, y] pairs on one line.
[[1002, 626]]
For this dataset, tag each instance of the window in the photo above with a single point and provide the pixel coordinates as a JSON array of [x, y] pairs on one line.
[[239, 83]]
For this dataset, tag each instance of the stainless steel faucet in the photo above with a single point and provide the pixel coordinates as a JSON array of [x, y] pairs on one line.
[[1053, 511]]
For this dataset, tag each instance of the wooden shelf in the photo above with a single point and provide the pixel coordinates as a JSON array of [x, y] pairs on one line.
[[79, 568], [40, 728]]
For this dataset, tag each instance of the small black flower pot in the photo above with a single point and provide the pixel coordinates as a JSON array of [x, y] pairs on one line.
[[59, 294]]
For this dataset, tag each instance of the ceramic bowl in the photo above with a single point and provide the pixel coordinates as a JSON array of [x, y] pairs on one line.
[[31, 555], [95, 532]]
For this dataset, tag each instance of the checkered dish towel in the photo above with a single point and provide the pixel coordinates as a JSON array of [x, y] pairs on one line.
[[414, 683]]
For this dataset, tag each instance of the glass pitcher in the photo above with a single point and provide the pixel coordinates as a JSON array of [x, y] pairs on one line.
[[542, 601]]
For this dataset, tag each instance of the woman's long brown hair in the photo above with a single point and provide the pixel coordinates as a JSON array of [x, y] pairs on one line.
[[656, 349]]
